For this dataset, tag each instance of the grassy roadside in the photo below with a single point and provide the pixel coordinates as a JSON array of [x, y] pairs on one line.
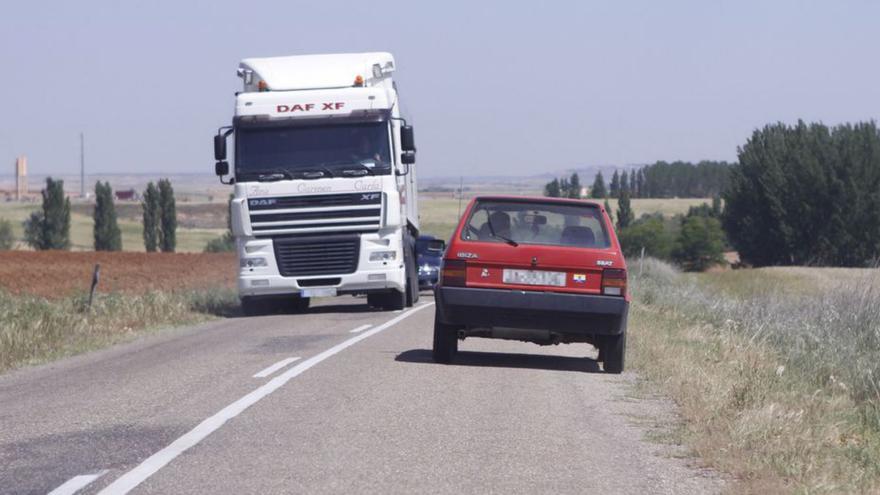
[[35, 330], [774, 372]]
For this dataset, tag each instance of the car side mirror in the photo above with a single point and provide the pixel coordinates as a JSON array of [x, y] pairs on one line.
[[407, 140], [408, 157], [436, 246], [221, 168], [220, 147]]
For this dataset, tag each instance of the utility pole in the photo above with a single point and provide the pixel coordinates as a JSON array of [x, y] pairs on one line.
[[82, 166]]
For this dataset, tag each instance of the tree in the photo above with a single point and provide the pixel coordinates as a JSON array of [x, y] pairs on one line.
[[598, 190], [7, 239], [806, 195], [624, 184], [700, 244], [574, 186], [625, 215], [640, 184], [49, 227], [551, 189], [167, 217], [633, 187], [609, 211], [150, 205], [614, 187], [106, 230]]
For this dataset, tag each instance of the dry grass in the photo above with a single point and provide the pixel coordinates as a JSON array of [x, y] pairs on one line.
[[36, 330], [774, 371]]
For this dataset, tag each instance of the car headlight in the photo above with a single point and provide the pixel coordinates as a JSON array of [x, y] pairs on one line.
[[427, 269], [383, 256], [253, 262]]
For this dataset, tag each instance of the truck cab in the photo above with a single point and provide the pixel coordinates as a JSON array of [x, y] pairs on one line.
[[324, 181]]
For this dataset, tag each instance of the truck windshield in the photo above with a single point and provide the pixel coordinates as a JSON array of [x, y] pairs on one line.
[[313, 151], [532, 222]]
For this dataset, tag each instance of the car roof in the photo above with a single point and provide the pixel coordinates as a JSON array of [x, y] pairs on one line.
[[537, 199]]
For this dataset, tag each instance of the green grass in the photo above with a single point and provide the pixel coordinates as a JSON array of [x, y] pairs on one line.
[[35, 330], [775, 371]]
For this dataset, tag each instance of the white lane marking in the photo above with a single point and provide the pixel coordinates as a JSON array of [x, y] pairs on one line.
[[77, 483], [157, 461], [361, 328], [275, 367]]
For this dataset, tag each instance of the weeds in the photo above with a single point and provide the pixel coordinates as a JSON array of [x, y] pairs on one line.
[[34, 329], [778, 383]]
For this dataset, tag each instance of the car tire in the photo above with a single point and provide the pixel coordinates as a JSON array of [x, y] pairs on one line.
[[613, 353], [445, 342]]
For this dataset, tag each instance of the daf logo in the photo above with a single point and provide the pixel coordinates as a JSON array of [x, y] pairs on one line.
[[262, 202], [369, 197]]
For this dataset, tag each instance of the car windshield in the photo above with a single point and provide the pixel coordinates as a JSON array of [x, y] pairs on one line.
[[323, 150], [529, 222]]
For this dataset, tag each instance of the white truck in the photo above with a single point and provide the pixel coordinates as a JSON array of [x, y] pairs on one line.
[[325, 199]]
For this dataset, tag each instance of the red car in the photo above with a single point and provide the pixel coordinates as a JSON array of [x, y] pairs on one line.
[[542, 270]]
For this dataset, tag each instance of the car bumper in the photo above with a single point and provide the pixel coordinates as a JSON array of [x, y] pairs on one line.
[[427, 281], [361, 282], [566, 313]]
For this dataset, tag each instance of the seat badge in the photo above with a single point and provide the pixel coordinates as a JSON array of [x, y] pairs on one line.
[[579, 278]]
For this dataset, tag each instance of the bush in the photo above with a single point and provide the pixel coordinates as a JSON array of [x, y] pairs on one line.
[[223, 244], [7, 240], [700, 244], [649, 233]]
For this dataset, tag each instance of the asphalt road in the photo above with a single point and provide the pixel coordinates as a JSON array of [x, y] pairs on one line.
[[340, 400]]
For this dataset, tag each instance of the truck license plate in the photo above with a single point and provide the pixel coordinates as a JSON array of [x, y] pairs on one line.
[[322, 292], [534, 277]]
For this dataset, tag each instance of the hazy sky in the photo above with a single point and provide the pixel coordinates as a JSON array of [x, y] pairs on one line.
[[492, 88]]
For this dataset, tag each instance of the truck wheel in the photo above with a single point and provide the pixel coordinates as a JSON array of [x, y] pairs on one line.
[[445, 342], [412, 277], [395, 300], [613, 352], [252, 306], [299, 304]]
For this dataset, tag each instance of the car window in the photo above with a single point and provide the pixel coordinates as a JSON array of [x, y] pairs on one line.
[[529, 222]]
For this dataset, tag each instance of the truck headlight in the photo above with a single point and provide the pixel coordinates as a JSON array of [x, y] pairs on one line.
[[253, 262], [383, 256]]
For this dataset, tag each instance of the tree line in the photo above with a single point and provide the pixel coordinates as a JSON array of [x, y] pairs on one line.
[[49, 227]]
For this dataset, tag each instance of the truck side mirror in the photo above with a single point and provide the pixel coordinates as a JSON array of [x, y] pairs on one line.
[[407, 140], [220, 147], [221, 168], [408, 157]]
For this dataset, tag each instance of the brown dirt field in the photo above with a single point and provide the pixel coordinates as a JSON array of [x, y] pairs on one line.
[[62, 273]]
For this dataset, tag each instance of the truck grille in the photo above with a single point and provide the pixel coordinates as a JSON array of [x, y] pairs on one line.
[[350, 212], [317, 255]]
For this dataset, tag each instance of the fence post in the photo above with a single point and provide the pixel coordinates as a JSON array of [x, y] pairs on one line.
[[641, 260], [95, 277]]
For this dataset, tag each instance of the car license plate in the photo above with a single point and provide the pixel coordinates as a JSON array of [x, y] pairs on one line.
[[534, 277], [322, 292]]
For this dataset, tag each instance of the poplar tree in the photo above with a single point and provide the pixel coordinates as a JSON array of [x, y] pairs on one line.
[[49, 227], [574, 186], [167, 217], [551, 189], [624, 184], [150, 205], [598, 190], [106, 230], [614, 187], [625, 215]]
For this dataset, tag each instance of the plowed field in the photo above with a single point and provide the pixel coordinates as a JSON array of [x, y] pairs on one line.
[[61, 273]]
